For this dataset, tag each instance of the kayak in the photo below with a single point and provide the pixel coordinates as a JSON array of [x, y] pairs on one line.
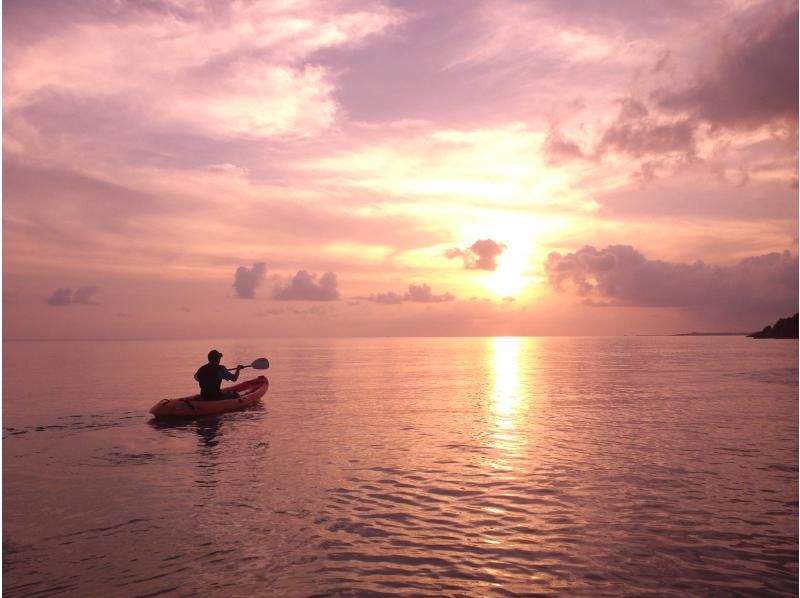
[[248, 393]]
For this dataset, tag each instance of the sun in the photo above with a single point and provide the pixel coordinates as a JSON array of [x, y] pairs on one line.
[[510, 277], [520, 233]]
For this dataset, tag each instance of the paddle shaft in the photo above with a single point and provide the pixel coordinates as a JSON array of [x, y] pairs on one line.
[[262, 363]]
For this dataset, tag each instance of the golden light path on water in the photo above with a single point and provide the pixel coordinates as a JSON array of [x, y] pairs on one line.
[[508, 398]]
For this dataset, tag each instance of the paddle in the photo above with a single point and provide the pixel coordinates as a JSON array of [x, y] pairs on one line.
[[262, 363]]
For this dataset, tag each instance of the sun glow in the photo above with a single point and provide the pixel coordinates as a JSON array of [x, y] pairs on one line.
[[510, 277], [514, 264]]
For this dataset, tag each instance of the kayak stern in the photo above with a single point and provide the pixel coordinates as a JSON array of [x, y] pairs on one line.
[[248, 393]]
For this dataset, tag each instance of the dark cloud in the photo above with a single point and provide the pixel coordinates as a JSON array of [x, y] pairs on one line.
[[636, 133], [419, 293], [647, 172], [248, 279], [620, 275], [303, 286], [628, 17], [558, 149], [62, 297], [481, 255], [754, 80]]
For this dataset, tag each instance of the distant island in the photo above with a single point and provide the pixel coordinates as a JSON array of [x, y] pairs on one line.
[[711, 334], [783, 328]]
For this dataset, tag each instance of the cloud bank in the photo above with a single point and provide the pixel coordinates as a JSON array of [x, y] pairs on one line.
[[303, 286], [417, 293], [620, 275]]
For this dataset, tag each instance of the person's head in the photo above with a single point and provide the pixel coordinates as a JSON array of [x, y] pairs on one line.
[[214, 356]]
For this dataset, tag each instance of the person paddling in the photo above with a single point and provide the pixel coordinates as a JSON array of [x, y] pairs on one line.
[[211, 375]]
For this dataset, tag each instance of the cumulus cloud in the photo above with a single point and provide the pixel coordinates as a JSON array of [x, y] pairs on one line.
[[754, 80], [419, 293], [620, 275], [62, 297], [248, 279], [481, 255], [303, 286]]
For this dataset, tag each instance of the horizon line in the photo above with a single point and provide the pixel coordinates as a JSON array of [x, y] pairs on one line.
[[365, 336]]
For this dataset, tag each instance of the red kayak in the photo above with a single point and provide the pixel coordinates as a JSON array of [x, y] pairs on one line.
[[248, 393]]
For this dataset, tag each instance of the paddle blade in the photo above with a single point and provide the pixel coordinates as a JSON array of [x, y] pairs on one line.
[[261, 364]]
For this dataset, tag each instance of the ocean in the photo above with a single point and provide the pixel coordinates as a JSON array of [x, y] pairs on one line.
[[406, 467]]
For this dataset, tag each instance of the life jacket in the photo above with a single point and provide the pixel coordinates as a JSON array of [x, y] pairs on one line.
[[210, 382]]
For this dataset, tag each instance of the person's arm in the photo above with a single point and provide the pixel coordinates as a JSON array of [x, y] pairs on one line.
[[226, 375]]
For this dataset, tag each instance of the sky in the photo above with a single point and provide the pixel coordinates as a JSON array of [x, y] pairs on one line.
[[202, 169]]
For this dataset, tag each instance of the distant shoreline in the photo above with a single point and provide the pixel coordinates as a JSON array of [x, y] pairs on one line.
[[701, 334], [712, 334]]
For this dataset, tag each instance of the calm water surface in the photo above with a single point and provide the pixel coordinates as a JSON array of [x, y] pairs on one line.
[[440, 467]]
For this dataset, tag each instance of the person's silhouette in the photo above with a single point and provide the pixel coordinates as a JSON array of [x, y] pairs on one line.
[[211, 375]]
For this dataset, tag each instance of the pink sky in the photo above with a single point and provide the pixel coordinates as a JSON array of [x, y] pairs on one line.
[[192, 168]]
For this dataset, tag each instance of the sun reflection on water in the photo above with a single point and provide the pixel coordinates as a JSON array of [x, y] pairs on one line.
[[506, 393], [508, 400]]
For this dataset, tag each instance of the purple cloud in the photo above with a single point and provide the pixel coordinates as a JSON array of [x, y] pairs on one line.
[[558, 149], [303, 286], [481, 255], [421, 293], [635, 132], [755, 78], [248, 279], [620, 275], [417, 293], [390, 298], [62, 297]]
